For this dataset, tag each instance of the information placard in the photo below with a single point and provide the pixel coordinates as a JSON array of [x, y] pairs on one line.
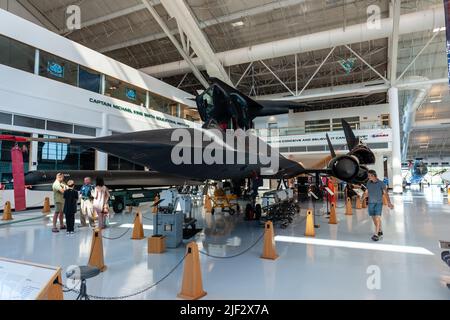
[[21, 280]]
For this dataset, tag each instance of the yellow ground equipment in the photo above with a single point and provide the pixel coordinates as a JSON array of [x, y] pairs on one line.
[[227, 202]]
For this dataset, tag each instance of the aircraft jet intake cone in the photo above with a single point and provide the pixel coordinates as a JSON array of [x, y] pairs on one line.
[[345, 167]]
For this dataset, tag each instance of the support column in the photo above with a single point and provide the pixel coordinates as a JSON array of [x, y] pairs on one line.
[[101, 158], [378, 166], [179, 115], [396, 143], [37, 54], [389, 169], [33, 162]]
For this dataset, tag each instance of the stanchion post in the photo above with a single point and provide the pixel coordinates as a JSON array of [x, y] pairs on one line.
[[310, 231], [96, 255], [269, 250], [192, 284], [7, 215]]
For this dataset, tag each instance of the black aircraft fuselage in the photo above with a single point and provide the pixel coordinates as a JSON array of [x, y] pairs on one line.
[[161, 149], [180, 153], [43, 179]]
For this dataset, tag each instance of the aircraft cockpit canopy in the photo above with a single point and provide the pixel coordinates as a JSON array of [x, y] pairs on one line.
[[227, 110]]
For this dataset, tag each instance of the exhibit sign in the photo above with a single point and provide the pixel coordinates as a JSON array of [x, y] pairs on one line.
[[21, 280], [336, 137]]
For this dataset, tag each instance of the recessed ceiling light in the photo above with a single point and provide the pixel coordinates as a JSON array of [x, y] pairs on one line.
[[436, 101], [238, 24]]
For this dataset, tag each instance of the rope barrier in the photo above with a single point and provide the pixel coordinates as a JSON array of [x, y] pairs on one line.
[[122, 234], [118, 237], [146, 218], [236, 255], [132, 294]]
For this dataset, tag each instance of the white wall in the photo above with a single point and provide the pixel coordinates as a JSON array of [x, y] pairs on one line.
[[366, 113], [22, 30], [262, 122], [31, 95]]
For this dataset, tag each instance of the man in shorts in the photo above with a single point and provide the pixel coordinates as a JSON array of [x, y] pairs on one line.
[[87, 207], [58, 188], [375, 190]]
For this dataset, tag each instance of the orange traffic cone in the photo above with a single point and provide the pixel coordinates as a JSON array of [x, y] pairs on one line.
[[46, 208], [385, 202], [7, 216], [310, 231], [96, 254], [364, 203], [269, 251], [208, 205], [358, 203], [155, 208], [333, 219], [192, 286], [348, 207], [138, 228]]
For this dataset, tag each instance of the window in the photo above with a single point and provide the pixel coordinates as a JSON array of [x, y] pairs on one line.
[[85, 131], [386, 120], [59, 69], [316, 148], [115, 164], [54, 151], [162, 104], [124, 91], [89, 79], [378, 145], [29, 122], [5, 156], [297, 149], [5, 118], [60, 156], [352, 121], [317, 125], [16, 54], [58, 126]]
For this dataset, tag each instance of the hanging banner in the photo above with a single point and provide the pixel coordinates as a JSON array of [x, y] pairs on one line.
[[447, 33], [18, 178]]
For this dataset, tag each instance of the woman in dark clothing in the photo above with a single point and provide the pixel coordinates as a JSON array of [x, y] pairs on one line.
[[70, 206]]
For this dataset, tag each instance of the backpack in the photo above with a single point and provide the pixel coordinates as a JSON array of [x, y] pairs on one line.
[[86, 191]]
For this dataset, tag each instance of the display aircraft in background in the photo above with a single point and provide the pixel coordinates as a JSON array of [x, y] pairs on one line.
[[417, 171]]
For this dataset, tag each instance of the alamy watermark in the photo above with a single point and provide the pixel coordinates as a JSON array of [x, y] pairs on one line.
[[230, 147], [373, 17], [373, 282], [73, 17]]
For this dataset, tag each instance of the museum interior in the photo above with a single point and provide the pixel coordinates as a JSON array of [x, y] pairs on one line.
[[185, 150]]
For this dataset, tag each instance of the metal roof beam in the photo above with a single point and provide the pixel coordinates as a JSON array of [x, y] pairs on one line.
[[185, 55], [188, 25], [207, 23], [111, 16], [38, 15], [409, 23]]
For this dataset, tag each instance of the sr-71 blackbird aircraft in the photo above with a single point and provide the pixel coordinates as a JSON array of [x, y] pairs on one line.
[[221, 107]]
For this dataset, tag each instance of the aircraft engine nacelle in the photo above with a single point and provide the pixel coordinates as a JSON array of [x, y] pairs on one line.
[[362, 176], [363, 153], [345, 167]]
